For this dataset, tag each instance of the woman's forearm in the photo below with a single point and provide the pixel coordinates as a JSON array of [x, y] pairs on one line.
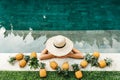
[[76, 56], [46, 56], [45, 51]]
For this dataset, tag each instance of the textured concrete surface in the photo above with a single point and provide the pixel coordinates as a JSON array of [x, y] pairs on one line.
[[4, 65], [104, 41], [60, 14]]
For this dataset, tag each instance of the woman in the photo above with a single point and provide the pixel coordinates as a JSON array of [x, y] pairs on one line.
[[60, 47]]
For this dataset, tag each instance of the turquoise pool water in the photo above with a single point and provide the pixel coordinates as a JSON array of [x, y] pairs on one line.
[[25, 25], [60, 14]]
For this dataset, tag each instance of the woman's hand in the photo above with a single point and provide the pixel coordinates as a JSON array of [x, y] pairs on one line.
[[70, 54], [61, 56]]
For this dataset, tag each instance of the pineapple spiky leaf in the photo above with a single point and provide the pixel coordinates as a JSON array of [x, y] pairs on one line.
[[33, 63], [94, 61], [27, 58], [75, 67], [42, 65], [65, 73], [108, 61], [12, 60], [88, 57], [58, 69]]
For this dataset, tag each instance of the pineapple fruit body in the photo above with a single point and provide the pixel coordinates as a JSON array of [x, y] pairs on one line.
[[83, 63], [96, 54], [65, 66], [102, 63], [78, 74], [53, 65], [42, 73], [19, 56], [33, 55], [22, 63]]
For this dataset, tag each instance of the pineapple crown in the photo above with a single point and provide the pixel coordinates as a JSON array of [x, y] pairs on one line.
[[94, 61], [33, 63], [108, 61], [91, 59], [75, 67], [27, 58], [88, 57], [42, 65], [58, 69], [12, 60]]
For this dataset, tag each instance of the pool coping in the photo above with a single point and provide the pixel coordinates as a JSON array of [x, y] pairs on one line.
[[6, 66]]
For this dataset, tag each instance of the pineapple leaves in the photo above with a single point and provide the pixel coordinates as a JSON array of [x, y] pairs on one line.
[[75, 67], [108, 61], [27, 58], [12, 60], [94, 61], [34, 63], [65, 73], [42, 65], [58, 70], [88, 57]]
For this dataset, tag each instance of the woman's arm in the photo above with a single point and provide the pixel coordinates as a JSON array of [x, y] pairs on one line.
[[75, 54], [45, 55]]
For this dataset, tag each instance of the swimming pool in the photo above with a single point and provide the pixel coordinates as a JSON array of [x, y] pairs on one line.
[[60, 15], [92, 25]]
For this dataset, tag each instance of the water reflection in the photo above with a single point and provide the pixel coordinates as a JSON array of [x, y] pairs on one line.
[[86, 41]]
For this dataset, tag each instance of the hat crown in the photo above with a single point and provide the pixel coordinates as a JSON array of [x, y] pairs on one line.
[[59, 41]]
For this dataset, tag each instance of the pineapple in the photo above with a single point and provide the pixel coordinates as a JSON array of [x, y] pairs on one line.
[[18, 57], [78, 73], [23, 62], [33, 55], [65, 67], [105, 62], [42, 72], [96, 54], [53, 65], [85, 62], [33, 63], [94, 58]]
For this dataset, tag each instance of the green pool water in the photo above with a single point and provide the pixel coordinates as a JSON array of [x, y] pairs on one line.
[[60, 14]]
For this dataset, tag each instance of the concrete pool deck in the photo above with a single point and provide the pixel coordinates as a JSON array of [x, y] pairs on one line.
[[5, 66]]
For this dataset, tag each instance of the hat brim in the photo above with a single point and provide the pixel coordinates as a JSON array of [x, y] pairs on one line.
[[59, 51]]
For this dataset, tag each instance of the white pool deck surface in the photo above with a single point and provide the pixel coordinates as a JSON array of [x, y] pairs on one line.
[[6, 66]]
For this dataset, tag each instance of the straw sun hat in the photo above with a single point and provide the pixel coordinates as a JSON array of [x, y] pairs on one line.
[[59, 45]]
